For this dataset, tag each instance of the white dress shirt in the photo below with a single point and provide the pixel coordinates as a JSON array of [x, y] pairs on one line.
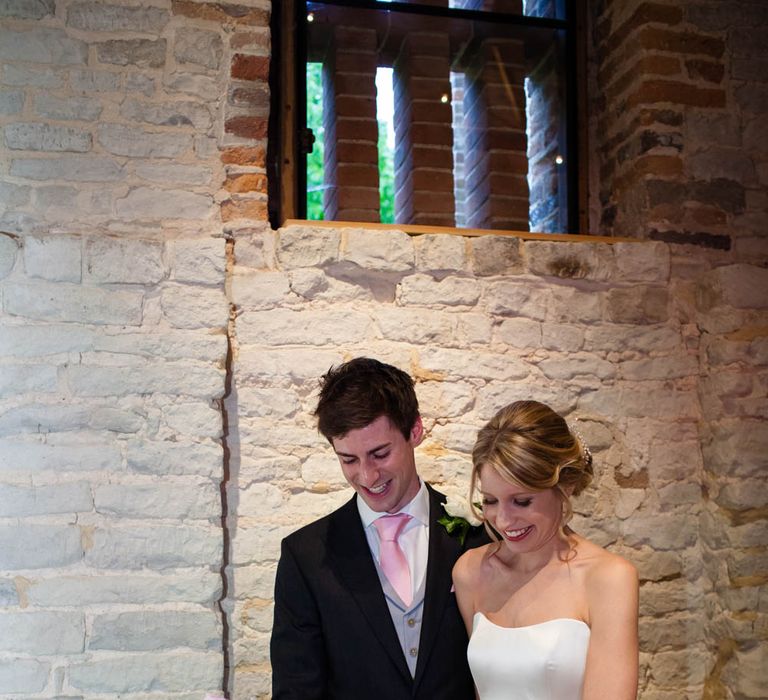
[[413, 540]]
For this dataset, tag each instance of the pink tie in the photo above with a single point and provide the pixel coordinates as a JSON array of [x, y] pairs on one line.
[[392, 559]]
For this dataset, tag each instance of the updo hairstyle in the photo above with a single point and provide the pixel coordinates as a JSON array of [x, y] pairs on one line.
[[530, 445]]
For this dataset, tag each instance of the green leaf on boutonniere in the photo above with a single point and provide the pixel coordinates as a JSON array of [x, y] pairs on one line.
[[455, 526]]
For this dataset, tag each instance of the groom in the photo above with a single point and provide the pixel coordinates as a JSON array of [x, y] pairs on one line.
[[364, 608]]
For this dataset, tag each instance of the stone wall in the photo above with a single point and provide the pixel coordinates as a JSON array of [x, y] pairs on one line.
[[160, 346], [616, 336], [113, 346]]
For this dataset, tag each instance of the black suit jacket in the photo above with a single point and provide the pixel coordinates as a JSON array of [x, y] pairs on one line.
[[333, 636]]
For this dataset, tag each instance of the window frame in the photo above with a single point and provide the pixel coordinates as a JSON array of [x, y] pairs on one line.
[[286, 159]]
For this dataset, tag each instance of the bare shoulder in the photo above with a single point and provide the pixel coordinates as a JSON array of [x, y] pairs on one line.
[[468, 566], [606, 572]]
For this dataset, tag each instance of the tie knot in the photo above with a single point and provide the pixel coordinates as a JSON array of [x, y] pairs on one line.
[[389, 527]]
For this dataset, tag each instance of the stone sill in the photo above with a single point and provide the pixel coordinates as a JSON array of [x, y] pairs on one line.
[[418, 229]]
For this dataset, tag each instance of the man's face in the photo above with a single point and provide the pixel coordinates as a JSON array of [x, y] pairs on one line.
[[378, 462]]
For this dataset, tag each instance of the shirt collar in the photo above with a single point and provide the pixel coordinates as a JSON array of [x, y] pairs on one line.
[[418, 508]]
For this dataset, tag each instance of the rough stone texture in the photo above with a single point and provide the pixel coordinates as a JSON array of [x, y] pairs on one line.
[[149, 318]]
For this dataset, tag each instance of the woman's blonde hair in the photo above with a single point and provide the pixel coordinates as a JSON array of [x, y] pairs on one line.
[[529, 444]]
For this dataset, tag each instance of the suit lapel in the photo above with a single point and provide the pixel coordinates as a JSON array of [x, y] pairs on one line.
[[443, 552], [353, 563]]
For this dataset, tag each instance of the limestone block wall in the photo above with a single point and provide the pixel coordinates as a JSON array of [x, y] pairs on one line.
[[612, 335], [113, 342]]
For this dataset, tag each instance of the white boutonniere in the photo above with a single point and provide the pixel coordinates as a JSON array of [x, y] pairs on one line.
[[458, 517]]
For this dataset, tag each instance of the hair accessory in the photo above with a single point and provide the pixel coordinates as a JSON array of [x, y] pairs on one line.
[[582, 442]]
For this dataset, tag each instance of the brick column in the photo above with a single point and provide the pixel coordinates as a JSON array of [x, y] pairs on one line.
[[423, 131], [351, 129], [496, 143]]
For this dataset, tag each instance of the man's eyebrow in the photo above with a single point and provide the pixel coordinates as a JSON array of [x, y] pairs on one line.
[[369, 452]]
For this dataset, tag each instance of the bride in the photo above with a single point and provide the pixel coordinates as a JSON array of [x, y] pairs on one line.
[[551, 615]]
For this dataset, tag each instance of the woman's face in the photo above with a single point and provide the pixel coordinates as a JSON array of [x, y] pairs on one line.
[[526, 520]]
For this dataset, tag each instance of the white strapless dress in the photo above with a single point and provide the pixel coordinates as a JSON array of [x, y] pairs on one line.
[[538, 662]]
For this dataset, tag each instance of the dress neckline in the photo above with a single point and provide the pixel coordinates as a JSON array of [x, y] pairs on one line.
[[536, 624]]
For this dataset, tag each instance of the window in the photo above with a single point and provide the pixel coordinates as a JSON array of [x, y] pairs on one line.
[[482, 104]]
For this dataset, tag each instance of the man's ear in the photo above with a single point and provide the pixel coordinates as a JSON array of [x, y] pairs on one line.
[[417, 432]]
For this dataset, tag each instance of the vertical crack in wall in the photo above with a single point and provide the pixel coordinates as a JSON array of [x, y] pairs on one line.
[[229, 438]]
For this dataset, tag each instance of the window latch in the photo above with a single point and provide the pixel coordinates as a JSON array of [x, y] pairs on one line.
[[306, 140]]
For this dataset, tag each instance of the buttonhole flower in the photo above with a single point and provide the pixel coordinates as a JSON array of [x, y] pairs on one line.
[[458, 517]]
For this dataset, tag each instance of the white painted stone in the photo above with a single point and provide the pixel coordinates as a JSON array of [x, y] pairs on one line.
[[644, 261], [143, 203], [41, 45], [187, 306], [155, 630], [680, 494], [177, 379], [175, 499], [267, 403], [70, 168], [323, 327], [445, 399], [47, 499], [519, 332], [100, 17], [440, 253], [569, 260], [31, 546], [42, 633], [639, 304], [577, 365], [517, 298], [737, 448], [307, 247], [23, 675], [465, 363], [662, 531], [259, 499], [295, 364], [456, 436], [82, 454], [390, 251], [37, 136], [194, 419], [562, 337], [202, 86], [156, 547], [123, 673], [202, 261], [115, 260], [184, 113], [168, 345], [473, 329], [53, 258], [256, 581], [656, 565], [200, 586], [122, 140], [628, 501], [308, 283], [74, 303], [177, 457], [673, 367], [415, 326], [423, 290], [263, 291], [644, 339], [261, 544], [571, 305], [322, 468], [18, 379], [496, 255], [174, 174]]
